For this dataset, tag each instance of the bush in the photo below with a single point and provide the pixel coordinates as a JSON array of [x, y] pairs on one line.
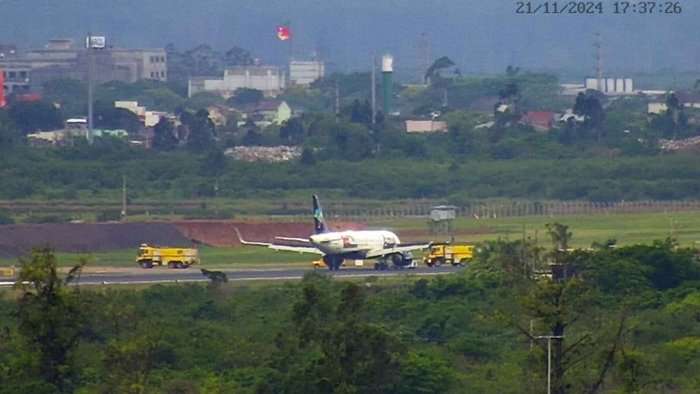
[[5, 218], [46, 219]]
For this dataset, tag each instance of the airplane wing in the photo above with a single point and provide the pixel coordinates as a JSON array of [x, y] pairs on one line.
[[286, 248], [396, 249], [298, 249], [303, 240]]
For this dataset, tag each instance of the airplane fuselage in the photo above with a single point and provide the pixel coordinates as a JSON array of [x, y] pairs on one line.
[[356, 243]]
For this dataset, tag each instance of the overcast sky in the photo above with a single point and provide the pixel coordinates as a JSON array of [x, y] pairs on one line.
[[481, 36]]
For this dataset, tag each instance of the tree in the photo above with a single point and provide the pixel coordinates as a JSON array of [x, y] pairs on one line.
[[201, 130], [332, 348], [246, 96], [292, 131], [307, 157], [9, 134], [589, 106], [674, 121], [109, 117], [237, 56], [351, 142], [432, 74], [50, 316], [213, 164], [361, 112], [164, 135], [32, 116]]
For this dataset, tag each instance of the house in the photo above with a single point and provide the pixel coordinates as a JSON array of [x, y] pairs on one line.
[[426, 126], [657, 108], [689, 99], [569, 115], [267, 112], [219, 115], [541, 121], [148, 118]]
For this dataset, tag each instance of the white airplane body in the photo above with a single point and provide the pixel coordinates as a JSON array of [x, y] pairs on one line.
[[340, 245]]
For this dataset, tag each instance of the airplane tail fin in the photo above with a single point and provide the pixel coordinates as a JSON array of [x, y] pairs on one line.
[[319, 223]]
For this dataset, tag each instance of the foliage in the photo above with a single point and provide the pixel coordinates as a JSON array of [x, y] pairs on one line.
[[465, 332], [49, 318], [109, 117], [33, 116], [201, 130], [164, 138], [246, 97]]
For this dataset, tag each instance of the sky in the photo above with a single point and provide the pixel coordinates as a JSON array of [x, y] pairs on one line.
[[480, 36]]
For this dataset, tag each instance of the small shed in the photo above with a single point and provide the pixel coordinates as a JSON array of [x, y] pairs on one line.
[[442, 218]]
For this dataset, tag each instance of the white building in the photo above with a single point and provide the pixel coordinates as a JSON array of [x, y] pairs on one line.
[[305, 72], [426, 126], [611, 86], [268, 79]]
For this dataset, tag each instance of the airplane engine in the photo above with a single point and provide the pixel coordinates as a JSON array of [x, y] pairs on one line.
[[397, 260]]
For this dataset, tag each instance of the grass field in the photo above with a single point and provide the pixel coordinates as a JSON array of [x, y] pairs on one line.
[[625, 228], [211, 257]]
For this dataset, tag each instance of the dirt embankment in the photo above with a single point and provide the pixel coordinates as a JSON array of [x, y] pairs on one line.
[[16, 240]]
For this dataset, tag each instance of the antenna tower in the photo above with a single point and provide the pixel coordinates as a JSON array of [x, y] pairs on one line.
[[598, 61], [424, 55]]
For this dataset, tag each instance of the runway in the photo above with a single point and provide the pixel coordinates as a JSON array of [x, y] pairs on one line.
[[163, 275]]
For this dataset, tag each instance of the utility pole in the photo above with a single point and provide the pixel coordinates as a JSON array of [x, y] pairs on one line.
[[124, 197], [90, 72], [337, 101], [599, 62], [549, 358], [374, 89], [424, 55]]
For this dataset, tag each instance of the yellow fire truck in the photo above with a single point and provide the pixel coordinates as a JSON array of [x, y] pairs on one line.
[[449, 253], [166, 256]]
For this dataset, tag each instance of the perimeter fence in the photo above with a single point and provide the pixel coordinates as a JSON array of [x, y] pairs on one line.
[[501, 209]]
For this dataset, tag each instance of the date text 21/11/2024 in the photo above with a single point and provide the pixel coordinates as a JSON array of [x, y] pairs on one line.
[[599, 7]]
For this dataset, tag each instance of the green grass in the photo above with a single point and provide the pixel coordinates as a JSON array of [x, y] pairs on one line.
[[626, 228], [211, 257]]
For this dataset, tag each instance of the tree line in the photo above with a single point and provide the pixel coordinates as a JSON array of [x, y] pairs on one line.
[[620, 319]]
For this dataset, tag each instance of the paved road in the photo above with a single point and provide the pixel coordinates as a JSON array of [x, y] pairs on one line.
[[163, 275], [194, 275]]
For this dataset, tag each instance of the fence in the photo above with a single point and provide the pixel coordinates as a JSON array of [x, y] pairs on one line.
[[499, 209]]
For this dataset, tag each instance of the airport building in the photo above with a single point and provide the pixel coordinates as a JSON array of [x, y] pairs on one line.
[[268, 79]]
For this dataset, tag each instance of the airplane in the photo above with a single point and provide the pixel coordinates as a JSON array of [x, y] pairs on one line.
[[335, 246]]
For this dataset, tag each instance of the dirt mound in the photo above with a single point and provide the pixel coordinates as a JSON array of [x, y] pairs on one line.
[[16, 240], [223, 233]]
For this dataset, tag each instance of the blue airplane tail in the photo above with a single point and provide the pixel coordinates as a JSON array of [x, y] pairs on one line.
[[319, 223]]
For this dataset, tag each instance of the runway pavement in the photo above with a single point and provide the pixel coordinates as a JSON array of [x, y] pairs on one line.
[[164, 275]]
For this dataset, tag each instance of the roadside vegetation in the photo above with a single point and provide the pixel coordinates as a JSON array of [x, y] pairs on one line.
[[610, 153], [626, 318]]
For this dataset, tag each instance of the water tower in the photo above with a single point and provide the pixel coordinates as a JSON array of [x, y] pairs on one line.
[[387, 81]]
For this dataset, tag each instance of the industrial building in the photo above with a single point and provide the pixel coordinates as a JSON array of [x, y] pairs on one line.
[[61, 59], [611, 86], [268, 79], [305, 72]]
